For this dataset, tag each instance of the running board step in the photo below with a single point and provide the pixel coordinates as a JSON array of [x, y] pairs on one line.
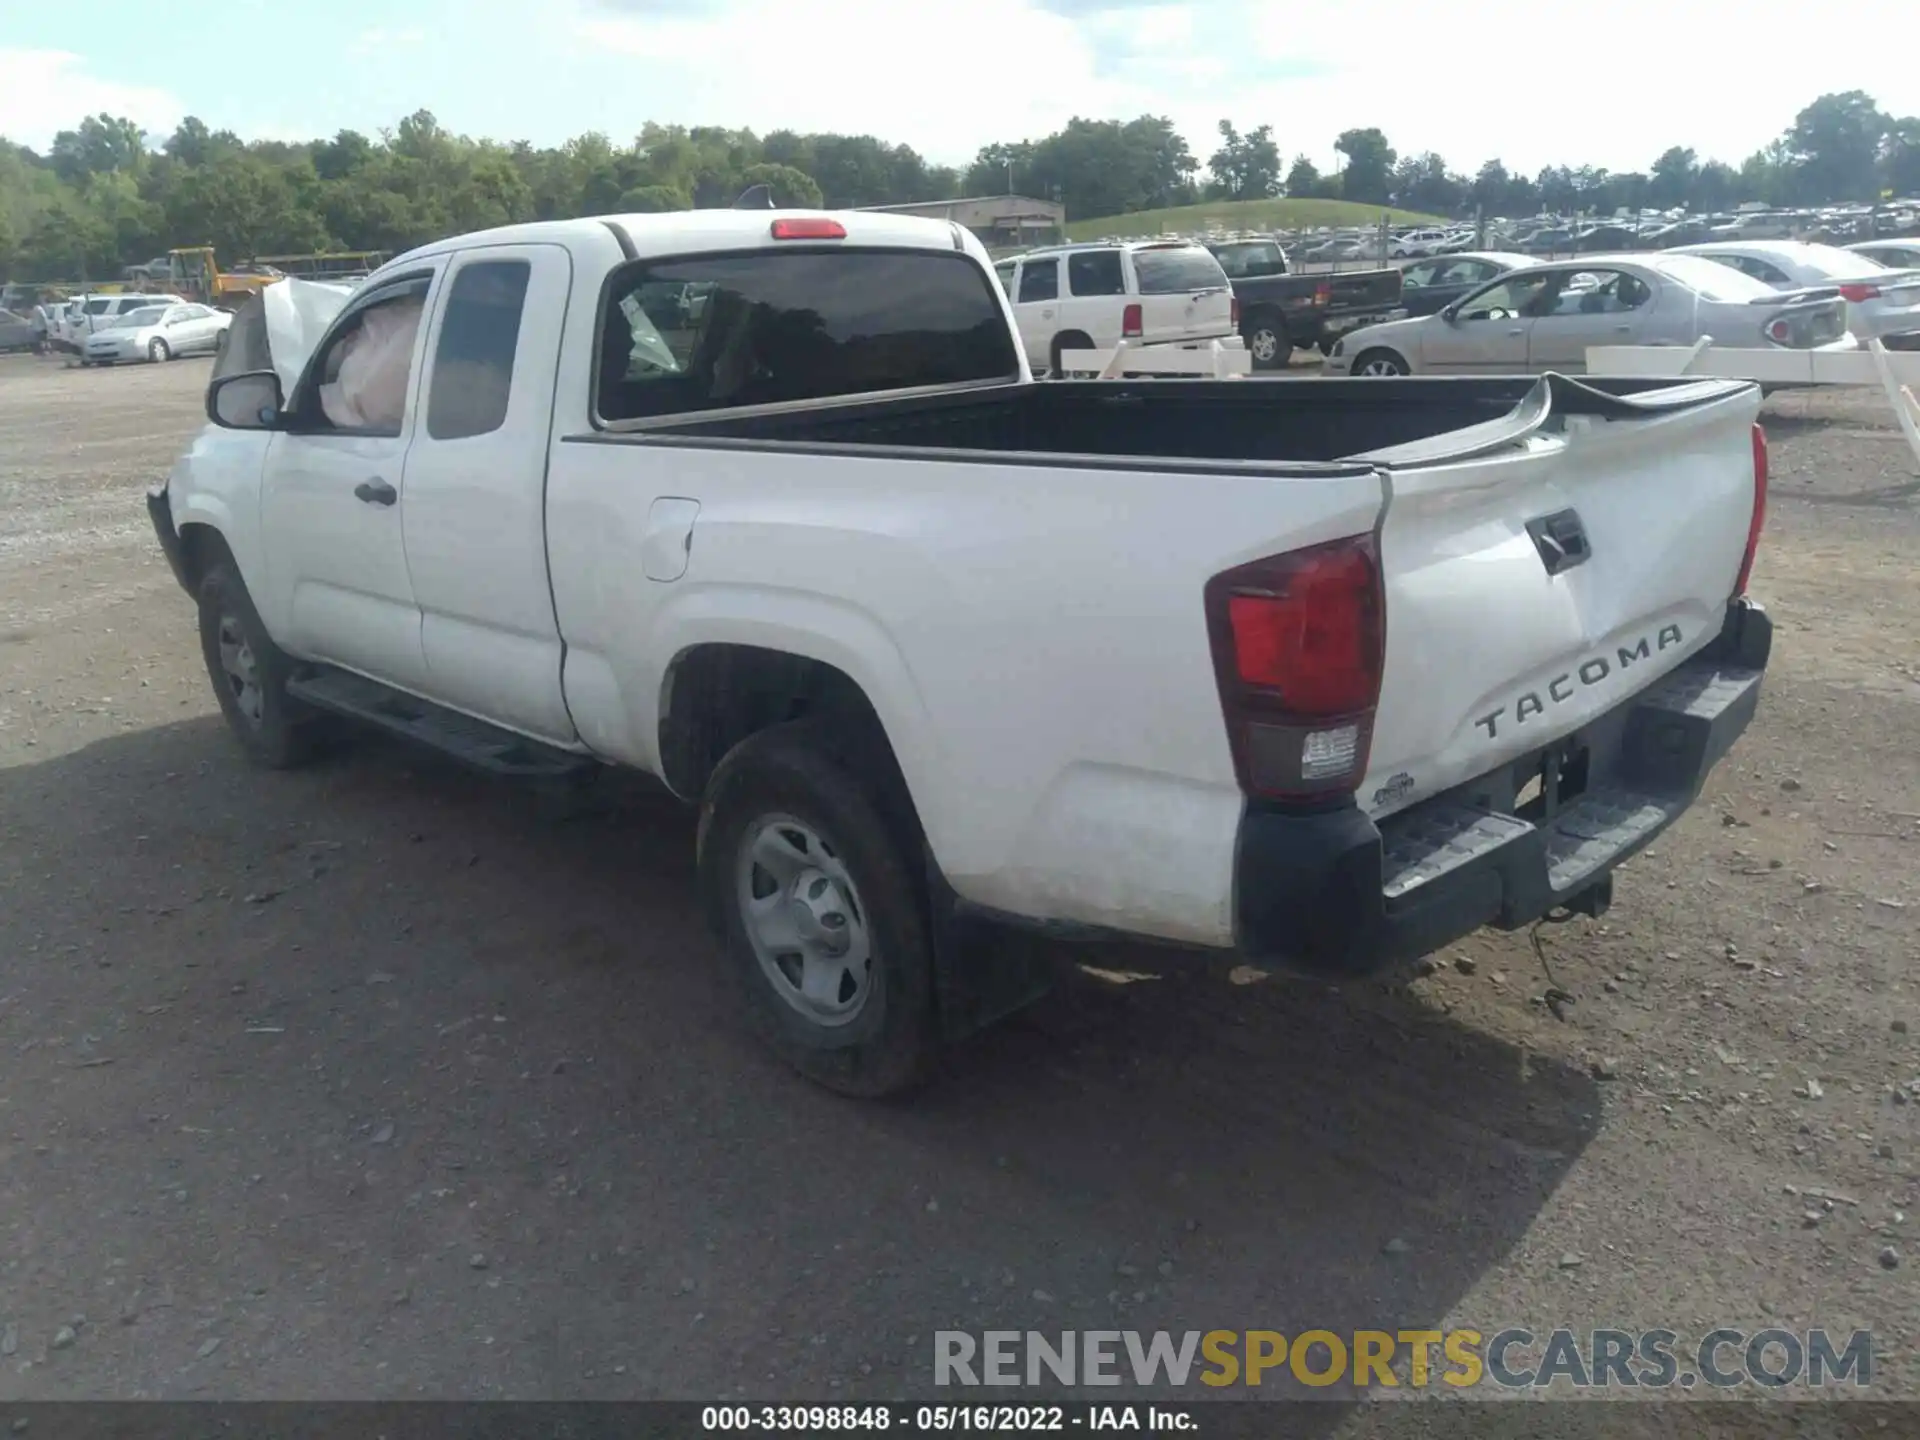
[[473, 742]]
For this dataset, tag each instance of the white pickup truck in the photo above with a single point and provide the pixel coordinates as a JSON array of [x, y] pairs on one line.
[[767, 504]]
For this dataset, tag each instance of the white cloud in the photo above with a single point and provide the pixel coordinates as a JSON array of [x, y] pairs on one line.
[[1533, 82], [45, 91]]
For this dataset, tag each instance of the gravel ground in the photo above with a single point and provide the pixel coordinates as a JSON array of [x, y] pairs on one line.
[[383, 1080]]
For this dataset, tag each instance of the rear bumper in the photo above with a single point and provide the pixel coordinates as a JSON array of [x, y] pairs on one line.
[[1338, 895]]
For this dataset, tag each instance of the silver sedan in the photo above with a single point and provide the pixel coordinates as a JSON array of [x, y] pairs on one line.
[[1545, 317]]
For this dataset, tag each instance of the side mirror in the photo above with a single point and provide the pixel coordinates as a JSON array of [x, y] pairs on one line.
[[1451, 314], [250, 401]]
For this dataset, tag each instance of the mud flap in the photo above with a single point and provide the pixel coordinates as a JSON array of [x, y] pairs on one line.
[[983, 970]]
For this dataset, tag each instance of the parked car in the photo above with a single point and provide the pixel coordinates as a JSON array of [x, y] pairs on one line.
[[843, 577], [1674, 233], [1553, 240], [1895, 254], [1882, 303], [1415, 244], [1546, 317], [156, 333], [1430, 285], [1090, 297], [1281, 312], [17, 332], [85, 314], [1605, 239], [1758, 225]]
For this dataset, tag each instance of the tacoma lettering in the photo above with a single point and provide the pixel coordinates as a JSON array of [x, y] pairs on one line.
[[1593, 671]]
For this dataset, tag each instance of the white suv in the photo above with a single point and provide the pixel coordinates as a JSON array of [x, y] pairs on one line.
[[1090, 297]]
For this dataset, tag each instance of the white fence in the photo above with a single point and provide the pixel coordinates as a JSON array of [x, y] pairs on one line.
[[1216, 360], [1896, 373]]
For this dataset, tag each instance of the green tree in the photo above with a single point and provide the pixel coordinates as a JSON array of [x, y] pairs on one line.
[[1245, 167], [1900, 157], [1674, 176], [1368, 174], [1834, 146], [102, 145], [1304, 180]]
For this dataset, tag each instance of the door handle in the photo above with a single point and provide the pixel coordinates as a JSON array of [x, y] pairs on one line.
[[1623, 329], [376, 492], [1518, 330]]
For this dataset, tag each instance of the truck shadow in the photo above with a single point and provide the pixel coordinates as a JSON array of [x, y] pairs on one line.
[[384, 977]]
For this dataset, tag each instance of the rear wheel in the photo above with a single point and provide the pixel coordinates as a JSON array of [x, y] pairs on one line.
[[1380, 363], [806, 871], [1268, 341], [158, 352], [1066, 340]]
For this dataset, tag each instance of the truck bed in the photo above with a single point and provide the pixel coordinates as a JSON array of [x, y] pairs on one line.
[[1192, 424]]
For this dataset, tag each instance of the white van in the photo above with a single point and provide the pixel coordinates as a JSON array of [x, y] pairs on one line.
[[1090, 297]]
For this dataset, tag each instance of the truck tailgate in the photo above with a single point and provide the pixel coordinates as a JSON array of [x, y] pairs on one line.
[[1541, 572]]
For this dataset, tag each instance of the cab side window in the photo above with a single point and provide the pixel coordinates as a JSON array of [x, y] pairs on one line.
[[357, 383], [472, 375]]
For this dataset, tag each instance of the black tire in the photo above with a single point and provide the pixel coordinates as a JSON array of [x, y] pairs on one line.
[[800, 772], [275, 730], [1267, 340], [159, 352], [1393, 362], [1065, 340]]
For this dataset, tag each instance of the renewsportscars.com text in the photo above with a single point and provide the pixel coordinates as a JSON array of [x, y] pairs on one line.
[[1512, 1358]]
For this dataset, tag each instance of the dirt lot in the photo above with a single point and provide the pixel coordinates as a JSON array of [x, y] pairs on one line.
[[380, 1079]]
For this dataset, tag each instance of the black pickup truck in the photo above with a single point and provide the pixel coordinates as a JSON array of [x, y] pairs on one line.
[[1281, 312]]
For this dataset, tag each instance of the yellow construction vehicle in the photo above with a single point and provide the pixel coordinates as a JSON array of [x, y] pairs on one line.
[[191, 271]]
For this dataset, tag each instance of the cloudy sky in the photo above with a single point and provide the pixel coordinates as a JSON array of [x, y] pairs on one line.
[[1532, 82]]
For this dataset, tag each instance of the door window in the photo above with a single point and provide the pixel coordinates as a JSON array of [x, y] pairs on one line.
[[1095, 272], [473, 358], [357, 383], [1039, 280], [1601, 292], [1509, 299], [1416, 277]]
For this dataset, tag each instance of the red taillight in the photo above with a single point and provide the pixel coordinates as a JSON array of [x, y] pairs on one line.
[[1298, 645], [1854, 294], [1323, 293], [1132, 325], [1780, 330], [1759, 519], [809, 228], [1234, 312]]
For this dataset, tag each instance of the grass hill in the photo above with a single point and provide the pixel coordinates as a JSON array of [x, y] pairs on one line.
[[1243, 215]]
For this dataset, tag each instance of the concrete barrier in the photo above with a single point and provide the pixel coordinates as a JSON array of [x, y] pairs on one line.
[[1216, 360], [1895, 373]]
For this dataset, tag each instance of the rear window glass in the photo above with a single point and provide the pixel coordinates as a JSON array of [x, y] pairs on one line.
[[1255, 258], [1713, 279], [1835, 263], [1167, 272], [771, 326], [97, 307]]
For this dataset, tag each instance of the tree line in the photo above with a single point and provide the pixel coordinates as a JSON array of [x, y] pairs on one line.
[[104, 196]]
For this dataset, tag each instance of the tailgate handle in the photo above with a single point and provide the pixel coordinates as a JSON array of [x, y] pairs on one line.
[[1561, 540]]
